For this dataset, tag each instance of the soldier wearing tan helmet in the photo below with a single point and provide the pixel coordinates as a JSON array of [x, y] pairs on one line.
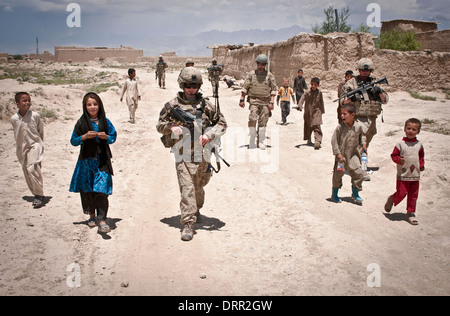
[[369, 106], [161, 72], [190, 62], [214, 73], [261, 88], [188, 144]]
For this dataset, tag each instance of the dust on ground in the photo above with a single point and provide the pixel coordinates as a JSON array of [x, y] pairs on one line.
[[268, 228]]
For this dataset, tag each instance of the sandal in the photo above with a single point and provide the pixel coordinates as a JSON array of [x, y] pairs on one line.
[[389, 204], [411, 218], [92, 222], [104, 228], [37, 202]]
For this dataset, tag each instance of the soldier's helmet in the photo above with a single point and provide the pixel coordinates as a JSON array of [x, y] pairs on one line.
[[190, 75], [189, 61], [263, 59], [214, 61], [365, 64]]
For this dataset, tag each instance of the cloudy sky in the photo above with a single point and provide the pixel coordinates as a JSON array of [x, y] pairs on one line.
[[132, 23]]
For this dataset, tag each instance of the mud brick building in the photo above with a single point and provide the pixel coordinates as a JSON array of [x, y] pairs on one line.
[[82, 54]]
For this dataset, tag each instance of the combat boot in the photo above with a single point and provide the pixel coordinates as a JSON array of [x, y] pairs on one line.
[[188, 232], [198, 216], [262, 138], [252, 142]]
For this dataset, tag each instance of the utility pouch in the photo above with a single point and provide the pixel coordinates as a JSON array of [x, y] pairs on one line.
[[368, 108], [167, 141]]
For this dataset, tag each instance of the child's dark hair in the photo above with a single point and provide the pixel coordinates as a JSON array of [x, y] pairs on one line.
[[19, 95], [300, 70], [316, 80], [351, 108], [130, 71], [414, 121]]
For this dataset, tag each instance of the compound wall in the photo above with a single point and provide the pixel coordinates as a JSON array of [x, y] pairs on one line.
[[328, 57], [82, 55]]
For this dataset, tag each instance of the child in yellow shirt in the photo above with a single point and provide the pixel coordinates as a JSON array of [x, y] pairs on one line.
[[285, 94]]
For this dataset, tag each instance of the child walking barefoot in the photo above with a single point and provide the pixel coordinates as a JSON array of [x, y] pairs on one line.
[[92, 176]]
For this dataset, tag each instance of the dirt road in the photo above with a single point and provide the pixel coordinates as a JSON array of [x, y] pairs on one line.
[[269, 227]]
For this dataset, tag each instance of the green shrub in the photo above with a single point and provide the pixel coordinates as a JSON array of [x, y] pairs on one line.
[[396, 40], [103, 87], [416, 95], [46, 113]]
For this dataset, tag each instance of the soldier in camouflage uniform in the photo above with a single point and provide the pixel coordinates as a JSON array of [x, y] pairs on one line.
[[190, 62], [261, 88], [214, 73], [191, 146], [161, 72], [368, 106]]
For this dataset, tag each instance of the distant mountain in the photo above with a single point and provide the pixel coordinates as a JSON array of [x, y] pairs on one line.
[[197, 45]]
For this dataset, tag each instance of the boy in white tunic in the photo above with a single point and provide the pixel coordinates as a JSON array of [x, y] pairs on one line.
[[29, 135], [131, 88]]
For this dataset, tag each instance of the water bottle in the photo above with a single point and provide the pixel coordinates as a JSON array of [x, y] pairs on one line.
[[364, 161], [340, 166]]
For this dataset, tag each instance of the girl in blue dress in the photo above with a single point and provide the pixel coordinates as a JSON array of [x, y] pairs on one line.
[[92, 176]]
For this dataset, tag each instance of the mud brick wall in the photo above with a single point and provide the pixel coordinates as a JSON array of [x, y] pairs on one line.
[[437, 41], [328, 57], [81, 55]]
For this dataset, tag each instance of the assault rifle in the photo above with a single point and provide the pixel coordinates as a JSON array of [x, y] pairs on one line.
[[183, 118], [363, 89], [216, 67]]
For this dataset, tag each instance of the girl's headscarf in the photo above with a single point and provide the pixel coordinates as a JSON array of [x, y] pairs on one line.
[[95, 147]]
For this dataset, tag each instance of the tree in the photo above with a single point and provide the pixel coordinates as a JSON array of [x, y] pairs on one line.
[[329, 25], [362, 29]]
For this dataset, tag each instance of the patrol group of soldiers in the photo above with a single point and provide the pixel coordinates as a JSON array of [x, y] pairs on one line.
[[200, 137]]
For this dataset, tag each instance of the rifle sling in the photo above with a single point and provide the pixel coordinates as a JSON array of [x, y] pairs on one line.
[[198, 118]]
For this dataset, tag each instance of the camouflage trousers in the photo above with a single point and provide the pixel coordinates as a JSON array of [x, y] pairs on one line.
[[162, 79], [215, 87], [259, 113], [370, 126], [192, 178]]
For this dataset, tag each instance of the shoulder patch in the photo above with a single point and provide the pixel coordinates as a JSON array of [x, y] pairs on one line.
[[165, 109]]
